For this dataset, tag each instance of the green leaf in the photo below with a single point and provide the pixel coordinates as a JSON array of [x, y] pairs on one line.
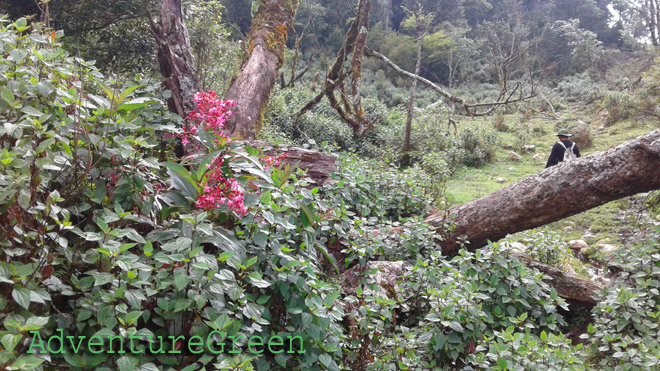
[[9, 341], [265, 198], [136, 103], [225, 255], [7, 95], [306, 215], [127, 91], [125, 364], [325, 359], [35, 323], [148, 249], [203, 167], [132, 317], [456, 326], [26, 362], [182, 180], [102, 278], [18, 55], [29, 110], [181, 280], [251, 262], [501, 363], [256, 280], [22, 296]]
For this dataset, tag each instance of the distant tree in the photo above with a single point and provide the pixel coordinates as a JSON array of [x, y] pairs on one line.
[[641, 18], [422, 25]]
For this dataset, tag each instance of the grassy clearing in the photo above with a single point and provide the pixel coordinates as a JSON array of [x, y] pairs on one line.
[[601, 223]]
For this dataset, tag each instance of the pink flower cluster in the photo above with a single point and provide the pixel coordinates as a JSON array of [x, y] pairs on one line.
[[273, 160], [218, 190], [210, 112]]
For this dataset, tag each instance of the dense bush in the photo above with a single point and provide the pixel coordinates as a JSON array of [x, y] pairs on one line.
[[581, 87], [626, 330], [102, 236], [449, 308]]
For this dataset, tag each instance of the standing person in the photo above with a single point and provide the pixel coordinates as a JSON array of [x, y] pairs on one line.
[[558, 153]]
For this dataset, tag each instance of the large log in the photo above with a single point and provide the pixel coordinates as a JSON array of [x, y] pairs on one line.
[[555, 193], [251, 87]]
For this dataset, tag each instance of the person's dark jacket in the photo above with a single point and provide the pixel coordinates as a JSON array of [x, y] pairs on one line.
[[557, 154]]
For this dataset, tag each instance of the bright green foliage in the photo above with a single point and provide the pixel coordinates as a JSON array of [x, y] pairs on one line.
[[449, 313], [512, 350], [626, 330]]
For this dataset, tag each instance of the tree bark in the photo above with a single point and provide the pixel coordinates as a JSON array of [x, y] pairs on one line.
[[356, 63], [652, 22], [555, 193], [251, 88], [175, 58]]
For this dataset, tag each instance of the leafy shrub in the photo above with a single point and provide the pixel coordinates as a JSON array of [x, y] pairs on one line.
[[619, 105], [474, 148], [498, 122], [321, 124], [625, 333], [544, 247], [511, 349], [458, 303], [101, 235], [376, 189], [581, 87]]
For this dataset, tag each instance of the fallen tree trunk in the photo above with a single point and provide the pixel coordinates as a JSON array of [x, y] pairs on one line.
[[555, 193], [575, 290], [251, 87], [319, 165]]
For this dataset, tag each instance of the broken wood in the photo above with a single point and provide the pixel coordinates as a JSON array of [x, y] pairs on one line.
[[574, 289], [555, 193], [469, 108], [319, 165]]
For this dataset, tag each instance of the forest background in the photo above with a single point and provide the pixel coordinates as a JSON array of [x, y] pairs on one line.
[[375, 185]]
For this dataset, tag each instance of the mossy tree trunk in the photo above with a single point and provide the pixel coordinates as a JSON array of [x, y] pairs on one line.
[[251, 88]]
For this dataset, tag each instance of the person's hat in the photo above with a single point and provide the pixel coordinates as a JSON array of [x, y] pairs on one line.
[[564, 133]]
